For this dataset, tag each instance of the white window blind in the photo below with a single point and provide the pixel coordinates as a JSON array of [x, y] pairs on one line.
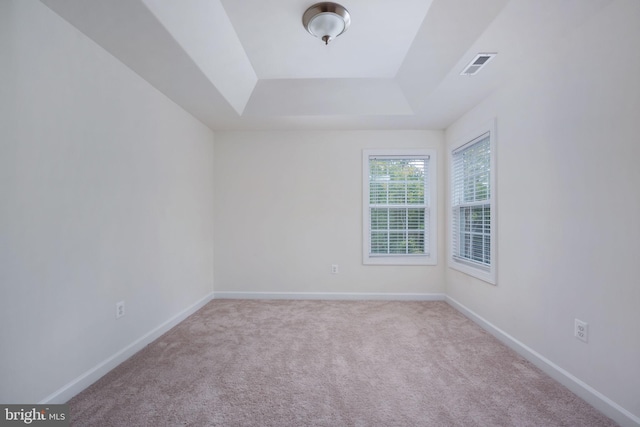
[[471, 203], [398, 206]]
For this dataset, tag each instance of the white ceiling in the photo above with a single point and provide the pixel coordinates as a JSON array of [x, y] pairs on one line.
[[279, 47], [249, 64]]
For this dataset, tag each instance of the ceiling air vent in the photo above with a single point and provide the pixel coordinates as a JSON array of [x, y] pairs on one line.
[[478, 62]]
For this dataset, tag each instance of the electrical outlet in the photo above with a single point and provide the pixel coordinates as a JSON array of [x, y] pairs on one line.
[[119, 309], [334, 269], [581, 330]]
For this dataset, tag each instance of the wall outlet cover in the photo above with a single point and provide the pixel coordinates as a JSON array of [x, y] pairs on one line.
[[581, 330]]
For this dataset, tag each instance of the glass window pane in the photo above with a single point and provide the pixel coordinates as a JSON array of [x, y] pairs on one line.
[[377, 193], [397, 219], [416, 242], [397, 193], [415, 193], [379, 243], [415, 219], [397, 243], [379, 218]]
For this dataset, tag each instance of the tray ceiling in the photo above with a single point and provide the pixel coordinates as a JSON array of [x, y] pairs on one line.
[[251, 64]]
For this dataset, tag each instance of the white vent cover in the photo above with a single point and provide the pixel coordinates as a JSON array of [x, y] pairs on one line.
[[478, 62]]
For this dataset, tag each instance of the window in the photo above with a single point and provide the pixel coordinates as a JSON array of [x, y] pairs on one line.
[[399, 207], [473, 207]]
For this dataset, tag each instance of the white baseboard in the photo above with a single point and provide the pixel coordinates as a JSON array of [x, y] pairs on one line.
[[579, 387], [85, 380], [351, 296]]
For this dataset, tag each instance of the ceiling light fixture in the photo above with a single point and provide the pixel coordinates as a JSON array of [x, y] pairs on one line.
[[326, 20]]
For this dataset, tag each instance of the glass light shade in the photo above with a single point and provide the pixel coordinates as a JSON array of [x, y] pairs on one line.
[[326, 24], [326, 20]]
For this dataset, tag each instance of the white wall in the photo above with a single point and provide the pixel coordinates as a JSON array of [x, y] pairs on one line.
[[106, 194], [289, 205], [569, 206]]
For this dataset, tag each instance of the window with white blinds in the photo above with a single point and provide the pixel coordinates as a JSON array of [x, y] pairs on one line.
[[398, 207], [472, 208]]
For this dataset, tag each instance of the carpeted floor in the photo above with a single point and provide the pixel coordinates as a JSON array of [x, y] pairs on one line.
[[328, 363]]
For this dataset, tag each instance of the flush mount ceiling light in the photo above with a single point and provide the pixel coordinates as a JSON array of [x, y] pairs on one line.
[[326, 20]]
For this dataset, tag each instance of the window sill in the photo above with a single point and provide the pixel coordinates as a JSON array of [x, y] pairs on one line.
[[399, 260], [481, 273]]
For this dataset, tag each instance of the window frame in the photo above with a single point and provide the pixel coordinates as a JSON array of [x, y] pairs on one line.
[[474, 269], [430, 200]]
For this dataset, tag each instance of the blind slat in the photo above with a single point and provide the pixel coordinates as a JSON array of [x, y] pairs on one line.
[[398, 205], [471, 201]]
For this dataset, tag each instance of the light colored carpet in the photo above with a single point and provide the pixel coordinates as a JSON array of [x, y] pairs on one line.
[[328, 363]]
